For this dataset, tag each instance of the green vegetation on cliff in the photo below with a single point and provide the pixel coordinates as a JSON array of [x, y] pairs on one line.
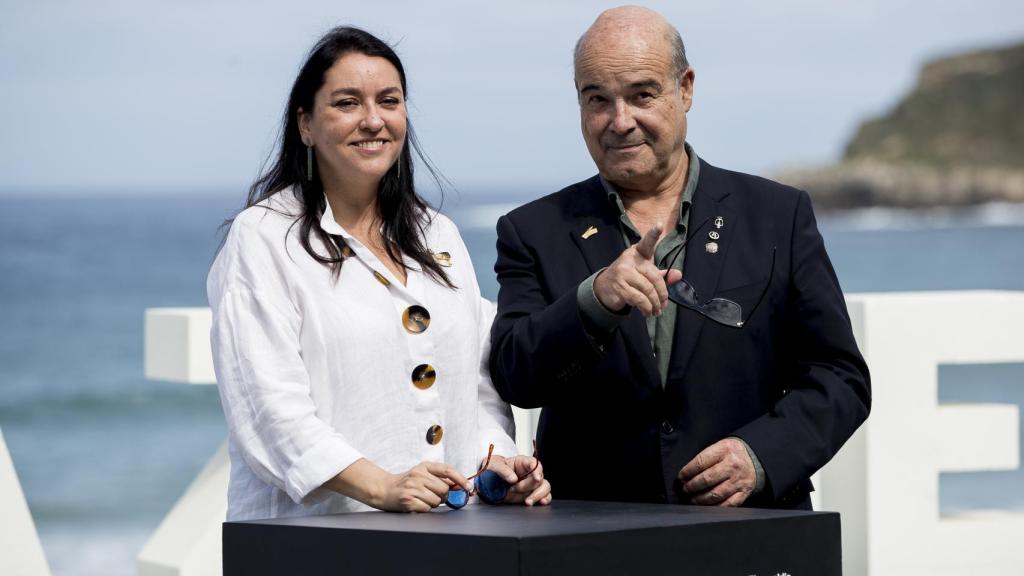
[[956, 139], [964, 111]]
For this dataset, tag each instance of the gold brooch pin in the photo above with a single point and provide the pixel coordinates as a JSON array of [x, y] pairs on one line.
[[444, 259], [590, 232]]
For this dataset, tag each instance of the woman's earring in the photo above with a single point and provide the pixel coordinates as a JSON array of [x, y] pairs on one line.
[[309, 163], [399, 164]]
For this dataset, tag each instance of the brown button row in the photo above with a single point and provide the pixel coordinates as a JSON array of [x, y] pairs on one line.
[[434, 434], [415, 319], [423, 376]]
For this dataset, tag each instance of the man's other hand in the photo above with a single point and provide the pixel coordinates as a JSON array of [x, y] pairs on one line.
[[721, 475]]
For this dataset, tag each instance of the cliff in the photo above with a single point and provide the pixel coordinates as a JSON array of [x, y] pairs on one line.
[[956, 139]]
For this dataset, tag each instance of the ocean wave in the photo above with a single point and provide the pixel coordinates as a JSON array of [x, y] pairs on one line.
[[146, 400], [878, 218], [484, 217], [481, 216]]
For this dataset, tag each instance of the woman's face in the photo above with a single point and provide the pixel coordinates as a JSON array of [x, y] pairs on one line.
[[358, 122]]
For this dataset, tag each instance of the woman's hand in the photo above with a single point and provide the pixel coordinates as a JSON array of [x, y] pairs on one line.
[[419, 489], [525, 476]]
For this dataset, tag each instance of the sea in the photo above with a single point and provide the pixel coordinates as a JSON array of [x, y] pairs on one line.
[[103, 454]]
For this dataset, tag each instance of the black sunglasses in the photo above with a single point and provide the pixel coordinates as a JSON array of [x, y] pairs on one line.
[[721, 310]]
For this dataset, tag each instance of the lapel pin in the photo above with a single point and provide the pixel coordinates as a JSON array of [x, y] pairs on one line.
[[714, 235], [719, 222], [444, 259], [711, 247], [590, 232]]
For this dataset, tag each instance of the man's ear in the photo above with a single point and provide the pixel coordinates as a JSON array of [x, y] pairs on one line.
[[686, 87]]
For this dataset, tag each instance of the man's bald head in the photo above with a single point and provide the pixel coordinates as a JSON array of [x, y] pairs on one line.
[[632, 25], [635, 88]]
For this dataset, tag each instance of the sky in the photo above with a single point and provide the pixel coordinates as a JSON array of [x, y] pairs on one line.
[[151, 96]]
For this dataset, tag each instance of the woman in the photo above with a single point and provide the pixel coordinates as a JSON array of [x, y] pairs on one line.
[[348, 330]]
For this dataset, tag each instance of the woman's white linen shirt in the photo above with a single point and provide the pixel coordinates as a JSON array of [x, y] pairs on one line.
[[314, 374]]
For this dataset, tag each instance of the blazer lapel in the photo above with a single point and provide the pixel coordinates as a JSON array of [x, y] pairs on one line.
[[702, 267], [595, 230]]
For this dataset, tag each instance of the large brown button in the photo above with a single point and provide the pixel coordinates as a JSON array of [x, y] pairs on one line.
[[434, 434], [415, 319], [423, 376]]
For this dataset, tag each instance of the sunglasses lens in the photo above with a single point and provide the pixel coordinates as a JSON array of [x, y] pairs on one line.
[[683, 294], [720, 310], [490, 487], [724, 311], [456, 498]]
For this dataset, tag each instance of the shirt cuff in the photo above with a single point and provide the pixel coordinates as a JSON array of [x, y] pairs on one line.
[[758, 469], [598, 321], [323, 461]]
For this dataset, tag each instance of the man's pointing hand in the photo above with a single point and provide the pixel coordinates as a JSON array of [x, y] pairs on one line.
[[633, 279]]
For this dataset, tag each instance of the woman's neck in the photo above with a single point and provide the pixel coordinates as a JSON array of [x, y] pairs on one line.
[[355, 210]]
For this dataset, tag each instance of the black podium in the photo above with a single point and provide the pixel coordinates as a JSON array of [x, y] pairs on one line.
[[568, 537]]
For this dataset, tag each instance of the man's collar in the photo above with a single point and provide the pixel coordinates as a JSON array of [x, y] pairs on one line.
[[692, 177]]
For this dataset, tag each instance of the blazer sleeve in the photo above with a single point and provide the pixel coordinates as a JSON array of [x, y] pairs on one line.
[[830, 394], [539, 347]]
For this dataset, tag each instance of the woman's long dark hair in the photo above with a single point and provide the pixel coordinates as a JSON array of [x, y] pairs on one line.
[[402, 212]]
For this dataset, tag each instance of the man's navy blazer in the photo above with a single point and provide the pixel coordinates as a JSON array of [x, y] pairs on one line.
[[791, 382]]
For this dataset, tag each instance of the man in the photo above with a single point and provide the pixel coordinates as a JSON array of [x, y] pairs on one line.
[[645, 400]]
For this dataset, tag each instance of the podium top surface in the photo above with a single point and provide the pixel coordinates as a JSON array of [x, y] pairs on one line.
[[562, 517]]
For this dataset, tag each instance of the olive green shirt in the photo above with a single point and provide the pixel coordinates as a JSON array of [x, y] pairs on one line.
[[661, 329]]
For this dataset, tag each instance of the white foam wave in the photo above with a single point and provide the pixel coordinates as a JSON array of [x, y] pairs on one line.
[[992, 214], [482, 216]]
